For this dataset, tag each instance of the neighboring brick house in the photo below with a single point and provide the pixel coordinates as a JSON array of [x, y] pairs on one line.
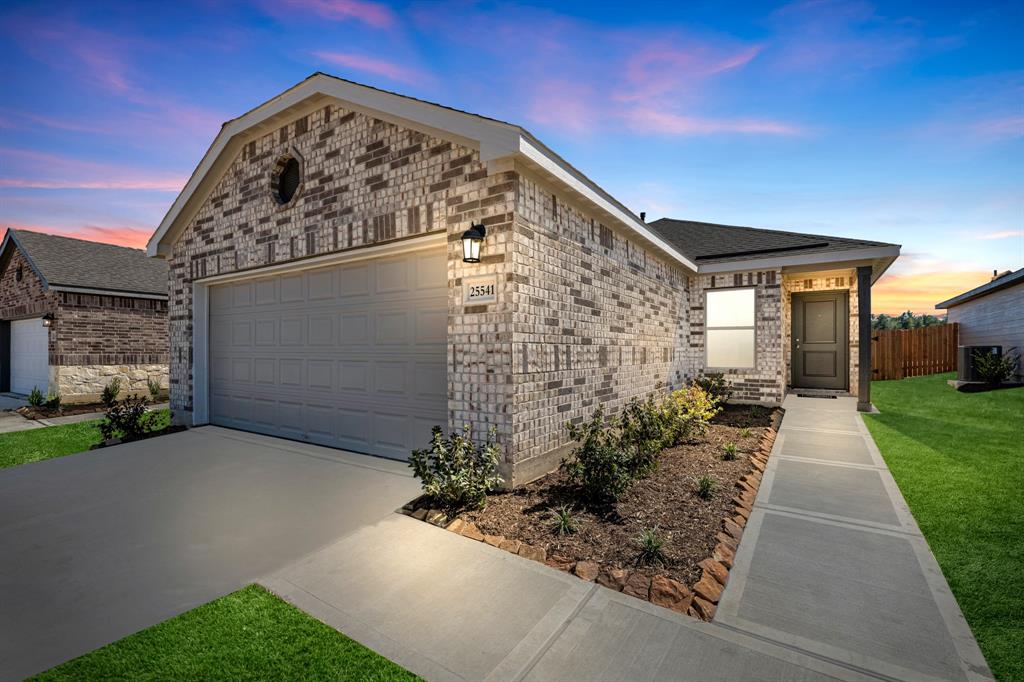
[[319, 289], [74, 314], [992, 315]]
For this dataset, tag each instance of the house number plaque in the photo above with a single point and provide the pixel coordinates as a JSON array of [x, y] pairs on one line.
[[480, 289]]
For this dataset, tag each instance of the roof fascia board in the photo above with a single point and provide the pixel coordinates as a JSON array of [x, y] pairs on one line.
[[493, 138], [566, 175], [12, 238], [834, 258], [107, 292], [983, 290]]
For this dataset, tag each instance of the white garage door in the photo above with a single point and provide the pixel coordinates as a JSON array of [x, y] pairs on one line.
[[352, 356], [30, 356]]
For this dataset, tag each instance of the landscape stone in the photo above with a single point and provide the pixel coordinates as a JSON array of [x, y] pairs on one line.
[[723, 554], [471, 531], [708, 588], [670, 594], [638, 585], [613, 578], [532, 553], [494, 540], [510, 545], [718, 571], [587, 570]]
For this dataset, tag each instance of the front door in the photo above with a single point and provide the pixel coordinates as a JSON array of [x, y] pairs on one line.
[[820, 340]]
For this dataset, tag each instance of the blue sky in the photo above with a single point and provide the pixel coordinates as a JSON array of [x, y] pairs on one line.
[[900, 122]]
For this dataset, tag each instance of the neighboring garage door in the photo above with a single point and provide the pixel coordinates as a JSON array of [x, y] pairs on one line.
[[352, 356], [30, 356]]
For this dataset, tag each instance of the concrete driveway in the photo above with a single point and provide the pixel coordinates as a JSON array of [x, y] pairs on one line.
[[101, 544]]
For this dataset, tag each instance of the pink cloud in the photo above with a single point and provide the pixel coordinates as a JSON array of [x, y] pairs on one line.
[[370, 13], [665, 68], [1003, 128], [1003, 234], [568, 105], [378, 67], [134, 237], [667, 123], [49, 171]]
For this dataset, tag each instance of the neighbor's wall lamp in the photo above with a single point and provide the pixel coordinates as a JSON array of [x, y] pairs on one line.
[[471, 241], [48, 319]]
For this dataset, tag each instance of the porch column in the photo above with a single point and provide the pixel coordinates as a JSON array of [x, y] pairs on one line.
[[864, 338]]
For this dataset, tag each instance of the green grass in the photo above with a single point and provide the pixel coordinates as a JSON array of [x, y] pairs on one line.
[[959, 461], [35, 445], [247, 635]]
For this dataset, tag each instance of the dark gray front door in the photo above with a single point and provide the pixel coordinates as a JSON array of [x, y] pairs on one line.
[[820, 340]]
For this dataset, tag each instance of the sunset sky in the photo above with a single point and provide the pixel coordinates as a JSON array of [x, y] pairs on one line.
[[899, 122]]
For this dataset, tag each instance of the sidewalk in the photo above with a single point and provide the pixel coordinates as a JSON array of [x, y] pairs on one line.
[[832, 581]]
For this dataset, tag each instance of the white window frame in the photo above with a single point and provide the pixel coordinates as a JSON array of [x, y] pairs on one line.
[[707, 328]]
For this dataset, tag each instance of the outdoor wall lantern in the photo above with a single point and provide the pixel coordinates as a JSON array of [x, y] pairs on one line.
[[48, 319], [471, 241]]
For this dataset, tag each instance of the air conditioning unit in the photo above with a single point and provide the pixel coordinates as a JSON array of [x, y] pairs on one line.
[[965, 370]]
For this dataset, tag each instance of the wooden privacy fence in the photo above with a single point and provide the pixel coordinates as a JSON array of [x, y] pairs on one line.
[[899, 353]]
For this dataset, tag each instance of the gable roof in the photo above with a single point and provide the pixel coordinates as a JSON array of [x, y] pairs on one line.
[[66, 264], [1007, 280], [711, 244], [495, 140]]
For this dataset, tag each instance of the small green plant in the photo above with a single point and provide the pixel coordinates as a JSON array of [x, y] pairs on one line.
[[598, 465], [35, 398], [53, 401], [652, 548], [745, 432], [716, 386], [729, 452], [707, 486], [154, 390], [110, 392], [994, 369], [128, 419], [563, 520], [454, 471]]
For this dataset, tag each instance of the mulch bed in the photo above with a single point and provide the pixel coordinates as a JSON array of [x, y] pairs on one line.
[[701, 536], [43, 412], [667, 498]]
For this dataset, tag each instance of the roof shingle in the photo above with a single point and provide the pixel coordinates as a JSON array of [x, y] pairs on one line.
[[63, 261]]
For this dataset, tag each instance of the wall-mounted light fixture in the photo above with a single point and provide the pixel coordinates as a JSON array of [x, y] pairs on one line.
[[471, 241], [48, 319]]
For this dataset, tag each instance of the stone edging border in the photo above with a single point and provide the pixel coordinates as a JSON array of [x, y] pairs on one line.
[[699, 601]]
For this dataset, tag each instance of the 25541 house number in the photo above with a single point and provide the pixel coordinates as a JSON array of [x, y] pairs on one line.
[[480, 289]]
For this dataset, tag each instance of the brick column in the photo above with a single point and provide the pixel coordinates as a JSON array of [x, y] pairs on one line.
[[864, 338]]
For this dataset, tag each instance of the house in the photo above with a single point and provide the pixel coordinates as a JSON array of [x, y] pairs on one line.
[[992, 314], [75, 314], [350, 267]]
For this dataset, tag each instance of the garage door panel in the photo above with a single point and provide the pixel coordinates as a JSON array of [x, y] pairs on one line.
[[30, 356], [351, 356]]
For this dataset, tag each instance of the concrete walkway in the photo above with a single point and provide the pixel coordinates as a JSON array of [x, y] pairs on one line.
[[832, 581], [833, 564]]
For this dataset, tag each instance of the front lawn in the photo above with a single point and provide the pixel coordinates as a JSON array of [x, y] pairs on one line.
[[959, 461], [247, 635], [34, 445]]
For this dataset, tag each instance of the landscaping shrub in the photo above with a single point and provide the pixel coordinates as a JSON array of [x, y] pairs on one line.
[[154, 390], [599, 465], [706, 487], [455, 472], [642, 432], [651, 545], [53, 401], [729, 452], [110, 392], [564, 521], [716, 386], [995, 369], [128, 419], [35, 398], [686, 412]]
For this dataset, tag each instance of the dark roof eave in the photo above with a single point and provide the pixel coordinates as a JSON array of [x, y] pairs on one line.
[[983, 290]]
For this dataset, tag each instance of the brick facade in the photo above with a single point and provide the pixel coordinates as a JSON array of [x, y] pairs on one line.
[[584, 315], [94, 338]]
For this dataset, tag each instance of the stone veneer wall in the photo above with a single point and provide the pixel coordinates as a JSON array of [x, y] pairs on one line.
[[839, 280], [766, 382], [85, 383], [596, 321], [365, 181]]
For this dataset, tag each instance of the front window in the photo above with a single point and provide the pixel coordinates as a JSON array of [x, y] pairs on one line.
[[729, 332]]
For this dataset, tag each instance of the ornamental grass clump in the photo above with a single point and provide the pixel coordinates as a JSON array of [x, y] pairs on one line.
[[652, 548], [729, 452], [455, 472], [707, 486], [563, 520]]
